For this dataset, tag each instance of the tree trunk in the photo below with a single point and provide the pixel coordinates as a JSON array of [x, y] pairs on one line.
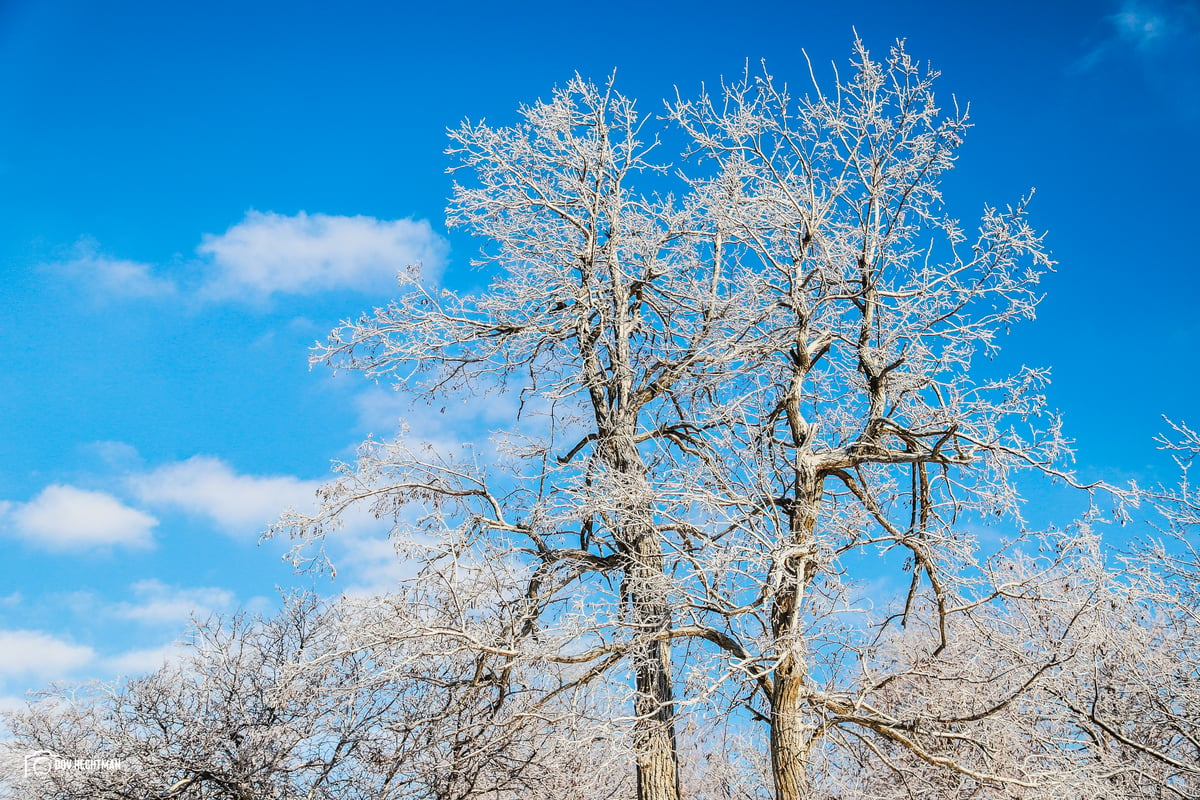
[[791, 733], [650, 615], [654, 728]]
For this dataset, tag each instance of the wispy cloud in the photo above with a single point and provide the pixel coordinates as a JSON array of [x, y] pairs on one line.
[[40, 655], [1163, 37], [63, 518], [266, 254], [112, 278], [157, 603], [1146, 27], [367, 559], [67, 518], [241, 505], [143, 661]]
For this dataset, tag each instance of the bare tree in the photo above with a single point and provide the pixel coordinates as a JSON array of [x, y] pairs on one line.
[[1138, 697], [229, 719], [322, 701], [866, 424], [483, 716], [604, 306], [739, 400]]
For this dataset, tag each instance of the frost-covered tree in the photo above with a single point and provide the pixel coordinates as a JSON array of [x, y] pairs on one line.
[[1138, 699], [865, 423], [606, 308], [228, 718], [344, 700], [747, 381]]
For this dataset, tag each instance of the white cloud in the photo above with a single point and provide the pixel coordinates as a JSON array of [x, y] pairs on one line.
[[66, 518], [449, 425], [115, 455], [13, 702], [1162, 35], [160, 604], [1140, 24], [1162, 39], [33, 653], [142, 662], [368, 560], [242, 505], [267, 253], [113, 277]]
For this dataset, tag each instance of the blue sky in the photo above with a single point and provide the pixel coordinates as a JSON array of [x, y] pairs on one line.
[[192, 194]]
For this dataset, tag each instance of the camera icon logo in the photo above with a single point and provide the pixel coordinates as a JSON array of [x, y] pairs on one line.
[[39, 764]]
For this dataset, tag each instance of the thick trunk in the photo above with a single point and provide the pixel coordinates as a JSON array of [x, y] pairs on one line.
[[790, 736], [654, 728], [791, 731], [650, 615]]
